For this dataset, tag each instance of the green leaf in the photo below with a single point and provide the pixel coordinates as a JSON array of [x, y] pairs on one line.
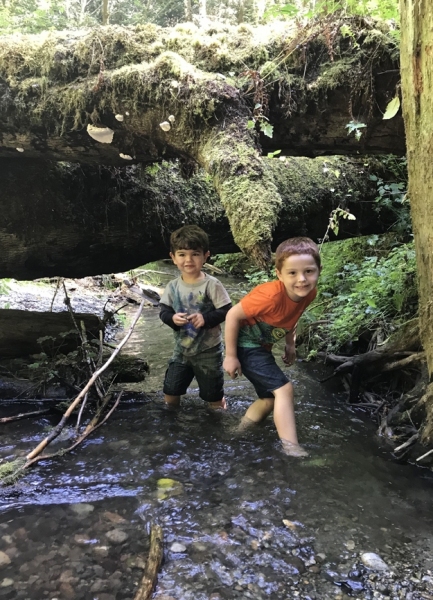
[[267, 129], [392, 108], [251, 124]]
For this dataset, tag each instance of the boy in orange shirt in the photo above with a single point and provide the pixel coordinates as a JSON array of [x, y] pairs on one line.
[[269, 312]]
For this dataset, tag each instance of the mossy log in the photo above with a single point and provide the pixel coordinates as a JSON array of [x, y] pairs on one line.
[[59, 219], [207, 87]]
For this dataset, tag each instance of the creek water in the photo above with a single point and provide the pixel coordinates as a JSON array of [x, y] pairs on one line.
[[241, 520]]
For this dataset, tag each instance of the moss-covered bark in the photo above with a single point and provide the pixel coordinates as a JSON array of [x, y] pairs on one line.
[[309, 83], [417, 88], [76, 220]]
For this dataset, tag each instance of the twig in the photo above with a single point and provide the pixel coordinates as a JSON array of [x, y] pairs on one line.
[[56, 431], [424, 455], [80, 414], [408, 442], [81, 439], [55, 293], [153, 564], [33, 413], [83, 337]]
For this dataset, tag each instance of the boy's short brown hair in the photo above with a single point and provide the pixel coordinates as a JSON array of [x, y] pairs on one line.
[[189, 237], [296, 245]]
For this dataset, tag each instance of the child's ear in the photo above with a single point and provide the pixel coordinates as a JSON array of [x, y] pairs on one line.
[[172, 256], [206, 255]]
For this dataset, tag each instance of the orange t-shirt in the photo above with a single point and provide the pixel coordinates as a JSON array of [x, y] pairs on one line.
[[270, 314]]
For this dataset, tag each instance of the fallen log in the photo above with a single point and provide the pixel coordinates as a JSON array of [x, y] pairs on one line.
[[23, 333], [74, 220]]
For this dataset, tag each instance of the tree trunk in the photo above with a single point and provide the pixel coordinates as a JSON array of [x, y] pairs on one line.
[[163, 94], [105, 13], [417, 89], [188, 10], [72, 220]]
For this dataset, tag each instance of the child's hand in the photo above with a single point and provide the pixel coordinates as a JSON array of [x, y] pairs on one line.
[[196, 319], [180, 319], [232, 365], [289, 355]]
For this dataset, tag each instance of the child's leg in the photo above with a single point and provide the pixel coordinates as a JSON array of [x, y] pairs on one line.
[[259, 410], [284, 413], [284, 418], [172, 400], [177, 379], [219, 404], [210, 377]]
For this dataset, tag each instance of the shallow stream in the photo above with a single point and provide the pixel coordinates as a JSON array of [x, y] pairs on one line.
[[242, 520]]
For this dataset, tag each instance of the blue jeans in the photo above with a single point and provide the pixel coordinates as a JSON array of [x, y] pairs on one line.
[[259, 367]]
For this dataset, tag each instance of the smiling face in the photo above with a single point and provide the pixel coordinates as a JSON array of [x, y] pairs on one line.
[[190, 263], [299, 275]]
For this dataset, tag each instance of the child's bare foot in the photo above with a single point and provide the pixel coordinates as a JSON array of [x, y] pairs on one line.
[[221, 404], [293, 449]]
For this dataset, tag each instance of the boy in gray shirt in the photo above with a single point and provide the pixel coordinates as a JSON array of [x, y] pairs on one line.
[[193, 305]]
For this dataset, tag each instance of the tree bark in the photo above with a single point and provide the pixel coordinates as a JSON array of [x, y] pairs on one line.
[[21, 329], [417, 90], [76, 220]]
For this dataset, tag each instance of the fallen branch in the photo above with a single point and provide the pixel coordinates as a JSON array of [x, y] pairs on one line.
[[407, 443], [153, 564], [57, 430], [27, 415], [13, 475], [424, 455]]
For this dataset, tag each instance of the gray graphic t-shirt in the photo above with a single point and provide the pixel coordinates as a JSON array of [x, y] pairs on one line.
[[204, 296]]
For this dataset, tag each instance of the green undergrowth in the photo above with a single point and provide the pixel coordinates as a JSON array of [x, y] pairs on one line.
[[367, 289]]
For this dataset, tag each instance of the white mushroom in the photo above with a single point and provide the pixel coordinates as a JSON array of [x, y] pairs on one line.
[[165, 126], [20, 149], [100, 134], [125, 156], [119, 118], [171, 118]]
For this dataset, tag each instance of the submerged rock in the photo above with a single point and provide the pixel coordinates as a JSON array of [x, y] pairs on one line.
[[373, 561]]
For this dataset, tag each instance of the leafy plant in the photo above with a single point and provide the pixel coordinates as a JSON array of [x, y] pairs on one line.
[[355, 126], [363, 288], [392, 193]]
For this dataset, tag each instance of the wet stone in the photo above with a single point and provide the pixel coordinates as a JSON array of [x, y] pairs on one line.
[[117, 536], [4, 559]]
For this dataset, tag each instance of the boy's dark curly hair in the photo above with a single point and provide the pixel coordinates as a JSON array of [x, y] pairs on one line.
[[189, 237]]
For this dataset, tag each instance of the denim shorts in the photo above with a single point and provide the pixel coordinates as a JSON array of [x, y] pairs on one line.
[[206, 367], [259, 366]]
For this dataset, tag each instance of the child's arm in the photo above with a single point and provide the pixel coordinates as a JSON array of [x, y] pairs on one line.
[[211, 318], [231, 362], [170, 318], [290, 349]]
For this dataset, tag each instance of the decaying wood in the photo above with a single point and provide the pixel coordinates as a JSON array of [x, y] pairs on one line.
[[20, 331], [153, 564], [75, 220]]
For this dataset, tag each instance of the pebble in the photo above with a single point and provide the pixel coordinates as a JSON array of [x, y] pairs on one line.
[[176, 547], [373, 561], [4, 559]]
